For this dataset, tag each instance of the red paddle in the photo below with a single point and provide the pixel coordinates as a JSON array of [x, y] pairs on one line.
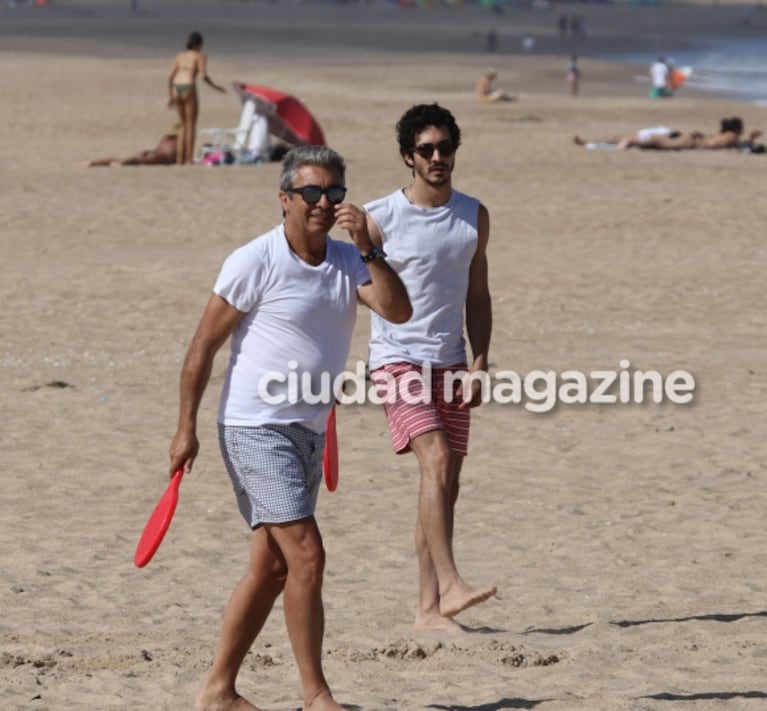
[[158, 522], [330, 455]]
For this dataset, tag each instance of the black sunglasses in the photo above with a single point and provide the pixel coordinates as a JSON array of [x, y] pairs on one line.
[[311, 194], [426, 150]]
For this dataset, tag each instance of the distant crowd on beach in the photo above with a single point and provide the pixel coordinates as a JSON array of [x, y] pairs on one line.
[[177, 144]]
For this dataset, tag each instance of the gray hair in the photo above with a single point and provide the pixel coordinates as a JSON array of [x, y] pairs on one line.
[[321, 156]]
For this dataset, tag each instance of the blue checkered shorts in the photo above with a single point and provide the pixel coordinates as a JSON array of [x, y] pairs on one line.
[[276, 470]]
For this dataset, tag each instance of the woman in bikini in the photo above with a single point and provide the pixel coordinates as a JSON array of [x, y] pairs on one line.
[[183, 93]]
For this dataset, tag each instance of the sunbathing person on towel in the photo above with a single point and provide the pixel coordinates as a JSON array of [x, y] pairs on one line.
[[163, 154], [730, 136]]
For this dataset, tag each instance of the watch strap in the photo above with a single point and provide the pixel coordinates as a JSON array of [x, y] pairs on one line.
[[375, 253]]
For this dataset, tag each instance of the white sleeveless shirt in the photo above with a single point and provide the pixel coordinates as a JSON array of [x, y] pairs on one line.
[[431, 250]]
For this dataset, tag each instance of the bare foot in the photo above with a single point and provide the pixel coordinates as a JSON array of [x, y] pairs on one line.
[[578, 141], [208, 701], [459, 598], [323, 702], [434, 622]]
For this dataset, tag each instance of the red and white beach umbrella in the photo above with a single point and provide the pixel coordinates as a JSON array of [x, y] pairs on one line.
[[289, 118]]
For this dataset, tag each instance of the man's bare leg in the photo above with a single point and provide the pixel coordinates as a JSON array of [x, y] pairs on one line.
[[439, 477], [301, 544], [428, 617], [245, 615]]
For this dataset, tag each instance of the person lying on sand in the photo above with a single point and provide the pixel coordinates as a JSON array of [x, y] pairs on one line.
[[643, 134], [730, 136], [163, 154]]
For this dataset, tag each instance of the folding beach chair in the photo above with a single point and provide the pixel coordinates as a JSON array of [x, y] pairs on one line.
[[228, 140]]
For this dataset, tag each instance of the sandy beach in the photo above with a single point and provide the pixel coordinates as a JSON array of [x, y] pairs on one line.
[[627, 541]]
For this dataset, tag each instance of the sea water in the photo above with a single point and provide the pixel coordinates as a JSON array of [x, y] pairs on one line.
[[733, 68], [737, 68]]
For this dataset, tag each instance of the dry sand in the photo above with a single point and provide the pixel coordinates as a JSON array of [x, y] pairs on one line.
[[628, 542]]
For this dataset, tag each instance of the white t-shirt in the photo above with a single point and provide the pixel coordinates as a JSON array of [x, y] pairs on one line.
[[298, 327], [659, 74], [431, 249]]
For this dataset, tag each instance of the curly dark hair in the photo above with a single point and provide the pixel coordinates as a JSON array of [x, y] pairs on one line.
[[420, 117]]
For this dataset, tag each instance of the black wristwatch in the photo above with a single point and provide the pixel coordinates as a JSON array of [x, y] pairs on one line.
[[374, 253]]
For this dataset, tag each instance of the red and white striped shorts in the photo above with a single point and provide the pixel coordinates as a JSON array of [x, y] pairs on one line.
[[409, 416]]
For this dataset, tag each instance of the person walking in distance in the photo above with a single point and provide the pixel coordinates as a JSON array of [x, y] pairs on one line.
[[573, 75]]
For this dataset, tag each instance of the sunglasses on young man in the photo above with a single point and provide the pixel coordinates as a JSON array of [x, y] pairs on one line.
[[426, 150], [311, 194]]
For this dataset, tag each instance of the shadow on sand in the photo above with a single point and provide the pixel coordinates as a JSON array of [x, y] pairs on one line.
[[494, 705]]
